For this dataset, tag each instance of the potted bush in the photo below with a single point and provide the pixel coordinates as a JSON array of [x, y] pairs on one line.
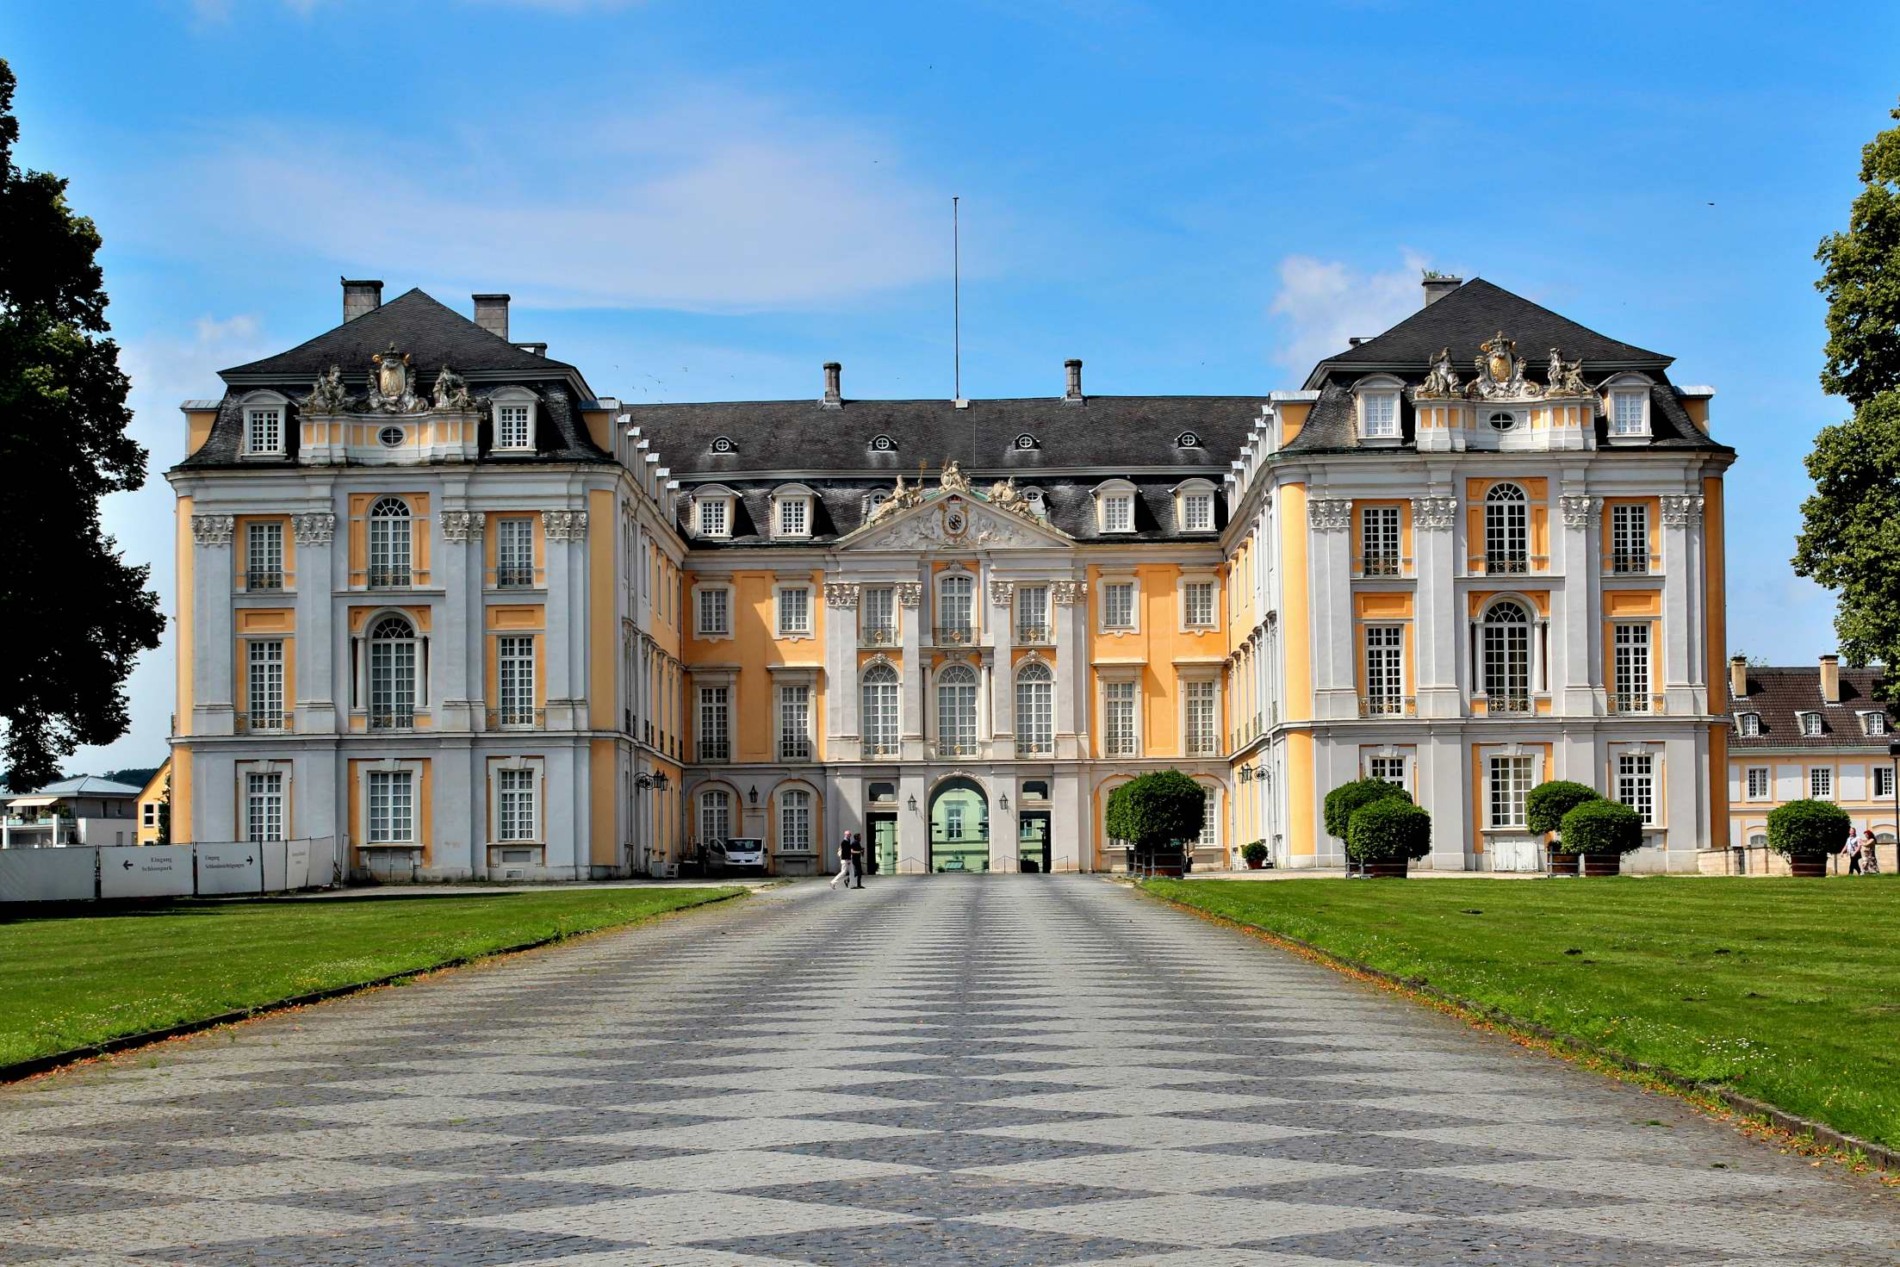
[[1544, 811], [1158, 813], [1385, 835], [1806, 832], [1254, 854], [1345, 799], [1601, 832]]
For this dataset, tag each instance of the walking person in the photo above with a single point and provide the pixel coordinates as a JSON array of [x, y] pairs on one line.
[[857, 860], [844, 862], [1869, 853], [1853, 854]]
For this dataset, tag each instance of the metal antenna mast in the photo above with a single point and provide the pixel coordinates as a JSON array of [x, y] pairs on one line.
[[956, 300]]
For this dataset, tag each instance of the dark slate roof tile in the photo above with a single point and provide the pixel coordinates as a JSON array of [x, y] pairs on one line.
[[1777, 694]]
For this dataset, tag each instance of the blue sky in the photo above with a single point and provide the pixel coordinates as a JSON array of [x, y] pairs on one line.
[[707, 200]]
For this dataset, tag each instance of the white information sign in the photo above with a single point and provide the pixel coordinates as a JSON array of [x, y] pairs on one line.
[[47, 875], [297, 864], [148, 871], [230, 868]]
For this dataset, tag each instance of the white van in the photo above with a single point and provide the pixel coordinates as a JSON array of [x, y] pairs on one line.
[[736, 853]]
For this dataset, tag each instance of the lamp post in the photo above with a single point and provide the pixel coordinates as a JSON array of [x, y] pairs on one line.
[[1893, 753]]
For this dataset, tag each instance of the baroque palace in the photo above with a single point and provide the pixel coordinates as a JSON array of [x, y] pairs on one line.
[[445, 603]]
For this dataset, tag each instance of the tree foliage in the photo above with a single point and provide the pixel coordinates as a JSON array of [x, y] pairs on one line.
[[1347, 797], [1157, 810], [1808, 827], [1601, 826], [1850, 535], [1389, 829], [1547, 803], [77, 613]]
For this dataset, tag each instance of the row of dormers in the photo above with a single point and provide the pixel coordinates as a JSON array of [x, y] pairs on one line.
[[726, 446], [1873, 723], [515, 412], [1624, 400]]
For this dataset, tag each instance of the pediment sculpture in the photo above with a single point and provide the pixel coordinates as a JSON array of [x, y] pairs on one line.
[[1501, 371], [392, 384], [451, 390], [1565, 377], [1441, 379], [328, 395]]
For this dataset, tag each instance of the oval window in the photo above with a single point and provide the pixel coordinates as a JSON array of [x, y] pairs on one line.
[[1503, 421], [390, 436]]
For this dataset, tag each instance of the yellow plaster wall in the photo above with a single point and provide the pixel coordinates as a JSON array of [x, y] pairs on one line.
[[756, 649], [603, 620], [600, 802], [1296, 620]]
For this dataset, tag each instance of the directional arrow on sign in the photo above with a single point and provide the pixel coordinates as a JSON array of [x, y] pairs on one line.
[[127, 864], [248, 860]]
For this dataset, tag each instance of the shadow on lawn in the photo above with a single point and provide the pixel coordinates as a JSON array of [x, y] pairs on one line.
[[136, 908]]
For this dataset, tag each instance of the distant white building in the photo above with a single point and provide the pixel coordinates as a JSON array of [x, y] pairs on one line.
[[81, 811]]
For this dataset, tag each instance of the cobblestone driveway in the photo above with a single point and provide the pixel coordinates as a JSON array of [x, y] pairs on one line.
[[970, 1070]]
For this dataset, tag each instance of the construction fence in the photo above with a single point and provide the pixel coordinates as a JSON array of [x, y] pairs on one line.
[[224, 869]]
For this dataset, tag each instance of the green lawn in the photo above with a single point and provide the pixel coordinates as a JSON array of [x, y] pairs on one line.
[[67, 981], [1784, 990]]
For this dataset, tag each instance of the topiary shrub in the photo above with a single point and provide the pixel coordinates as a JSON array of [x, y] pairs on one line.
[[1602, 827], [1156, 810], [1545, 807], [1254, 853], [1348, 797], [1390, 829], [1808, 827]]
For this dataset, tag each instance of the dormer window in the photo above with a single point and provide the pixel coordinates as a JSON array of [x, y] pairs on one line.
[[1873, 723], [1379, 409], [1115, 506], [712, 513], [1025, 442], [264, 425], [1194, 506], [724, 444], [1749, 724], [514, 421], [792, 511], [1187, 440], [1628, 408], [883, 444], [1810, 724]]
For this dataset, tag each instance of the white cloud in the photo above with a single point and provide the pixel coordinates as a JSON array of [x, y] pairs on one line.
[[716, 202], [1322, 304]]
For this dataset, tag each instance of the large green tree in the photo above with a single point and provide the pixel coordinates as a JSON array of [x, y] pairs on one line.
[[76, 613]]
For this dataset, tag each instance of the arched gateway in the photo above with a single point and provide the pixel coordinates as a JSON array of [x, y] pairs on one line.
[[959, 826]]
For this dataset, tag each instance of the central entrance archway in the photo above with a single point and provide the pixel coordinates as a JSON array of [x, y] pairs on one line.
[[959, 826]]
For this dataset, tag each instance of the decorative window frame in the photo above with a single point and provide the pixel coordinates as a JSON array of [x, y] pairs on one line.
[[390, 765], [1539, 755], [1384, 387], [1658, 778], [1407, 754], [1110, 577], [1196, 488], [1041, 663], [779, 632], [735, 808], [788, 494], [1873, 723], [707, 587], [1216, 813], [876, 662], [784, 676], [262, 401], [883, 443], [1196, 576], [1197, 674], [976, 599], [1748, 725], [1768, 794], [723, 446], [713, 493], [1188, 440], [1121, 674], [1624, 385], [539, 766], [240, 786], [513, 396], [933, 702], [1107, 491], [1025, 443], [1810, 729], [816, 845]]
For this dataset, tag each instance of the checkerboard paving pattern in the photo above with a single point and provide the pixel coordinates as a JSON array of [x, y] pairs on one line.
[[942, 1070]]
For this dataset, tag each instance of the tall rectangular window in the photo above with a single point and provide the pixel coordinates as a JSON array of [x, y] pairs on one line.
[[956, 609], [515, 817], [392, 807], [794, 821], [264, 556], [264, 806], [715, 519], [1821, 783], [794, 517], [1197, 598], [265, 704], [1636, 783], [1385, 669], [1627, 415], [1381, 414], [1197, 512], [1631, 688], [1119, 732], [794, 610], [877, 711], [1118, 512], [515, 667], [1883, 783], [1758, 785], [1202, 702], [1629, 539], [1118, 605], [1210, 823], [263, 431], [1510, 784], [1379, 541], [794, 723], [715, 729], [715, 611], [514, 553], [511, 427], [1032, 614], [877, 615], [715, 814]]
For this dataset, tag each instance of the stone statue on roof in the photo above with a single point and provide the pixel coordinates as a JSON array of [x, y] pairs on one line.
[[327, 394], [392, 387], [451, 390], [1441, 379], [1004, 495], [1566, 377], [953, 480]]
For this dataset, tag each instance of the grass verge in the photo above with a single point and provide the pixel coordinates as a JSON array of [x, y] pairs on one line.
[[73, 980], [1787, 991]]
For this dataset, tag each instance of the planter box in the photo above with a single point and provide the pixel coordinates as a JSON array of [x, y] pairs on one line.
[[1254, 864], [1602, 864], [1387, 870], [1810, 865], [1559, 863]]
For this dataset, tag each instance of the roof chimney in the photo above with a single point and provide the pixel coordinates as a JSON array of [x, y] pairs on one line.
[[1438, 285], [1830, 679], [1737, 678], [491, 314], [1072, 394], [361, 297], [834, 385]]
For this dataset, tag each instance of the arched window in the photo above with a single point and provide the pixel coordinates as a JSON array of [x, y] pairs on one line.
[[877, 711], [392, 674], [1506, 530], [1035, 710], [1506, 652], [956, 711], [715, 815], [389, 543], [795, 820]]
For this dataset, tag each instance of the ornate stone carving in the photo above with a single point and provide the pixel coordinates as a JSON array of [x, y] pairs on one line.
[[327, 394], [1002, 593], [451, 391], [1580, 511], [1441, 379], [1681, 511], [1434, 514], [1329, 514], [1565, 377], [564, 525], [313, 529], [1500, 371], [1068, 593], [213, 530], [392, 388], [459, 527], [953, 480], [958, 524], [909, 594], [841, 594], [1004, 495]]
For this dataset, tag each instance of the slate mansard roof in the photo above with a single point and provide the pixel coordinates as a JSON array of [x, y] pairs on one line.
[[1154, 442], [433, 335], [1462, 320], [1778, 694]]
